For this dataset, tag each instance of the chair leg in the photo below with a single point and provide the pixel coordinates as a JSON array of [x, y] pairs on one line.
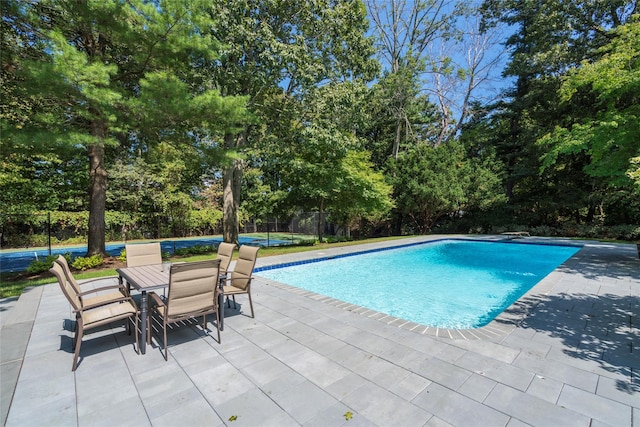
[[149, 330], [164, 326], [135, 327], [78, 344], [218, 325], [75, 333], [250, 304]]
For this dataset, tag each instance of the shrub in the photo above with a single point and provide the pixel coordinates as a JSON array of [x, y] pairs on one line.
[[83, 263], [41, 265], [338, 239], [306, 242], [196, 250], [625, 232], [543, 230]]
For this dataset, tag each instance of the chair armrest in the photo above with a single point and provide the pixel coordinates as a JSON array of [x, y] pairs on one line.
[[97, 279], [103, 288], [153, 297], [102, 304]]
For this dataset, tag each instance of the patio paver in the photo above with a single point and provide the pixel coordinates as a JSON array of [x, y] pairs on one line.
[[564, 354]]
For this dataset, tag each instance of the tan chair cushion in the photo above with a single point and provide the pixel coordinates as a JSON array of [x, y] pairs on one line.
[[143, 254], [107, 314]]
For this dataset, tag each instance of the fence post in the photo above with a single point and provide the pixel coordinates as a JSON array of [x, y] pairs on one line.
[[49, 230]]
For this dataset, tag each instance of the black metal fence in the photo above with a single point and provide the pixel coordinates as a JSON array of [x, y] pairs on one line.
[[25, 238], [27, 231]]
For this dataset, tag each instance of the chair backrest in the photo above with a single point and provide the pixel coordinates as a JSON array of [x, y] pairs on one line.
[[67, 287], [143, 254], [192, 287], [242, 271], [67, 271], [225, 254]]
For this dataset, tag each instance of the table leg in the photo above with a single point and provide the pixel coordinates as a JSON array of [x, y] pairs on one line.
[[143, 320]]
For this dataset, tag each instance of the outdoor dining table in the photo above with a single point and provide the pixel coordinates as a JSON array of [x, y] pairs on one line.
[[153, 277]]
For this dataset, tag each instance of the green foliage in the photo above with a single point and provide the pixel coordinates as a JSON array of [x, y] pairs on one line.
[[41, 265], [427, 185], [84, 263], [306, 242], [196, 250], [336, 239], [80, 263], [279, 53], [107, 74], [611, 134], [563, 144], [628, 233], [204, 221], [362, 193], [327, 169], [75, 222], [431, 183], [186, 106]]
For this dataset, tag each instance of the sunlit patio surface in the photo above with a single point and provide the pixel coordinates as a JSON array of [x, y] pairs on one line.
[[567, 353]]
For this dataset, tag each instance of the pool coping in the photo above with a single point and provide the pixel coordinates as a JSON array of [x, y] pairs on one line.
[[503, 324]]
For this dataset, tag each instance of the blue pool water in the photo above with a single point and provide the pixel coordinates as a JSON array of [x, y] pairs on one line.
[[448, 284]]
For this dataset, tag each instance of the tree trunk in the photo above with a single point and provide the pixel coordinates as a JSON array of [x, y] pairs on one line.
[[396, 141], [231, 181], [97, 200]]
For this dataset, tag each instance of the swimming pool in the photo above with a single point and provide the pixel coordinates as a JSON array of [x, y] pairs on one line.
[[455, 284]]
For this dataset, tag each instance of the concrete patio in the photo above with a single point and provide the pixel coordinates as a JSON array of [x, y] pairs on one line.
[[567, 353]]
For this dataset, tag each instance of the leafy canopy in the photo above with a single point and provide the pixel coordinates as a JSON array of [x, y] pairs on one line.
[[611, 135]]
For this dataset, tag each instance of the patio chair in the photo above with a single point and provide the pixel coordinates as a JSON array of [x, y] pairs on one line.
[[225, 254], [193, 292], [139, 254], [91, 316], [241, 276], [143, 254], [99, 298]]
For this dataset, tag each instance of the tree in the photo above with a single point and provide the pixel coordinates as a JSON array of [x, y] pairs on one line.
[[329, 174], [550, 37], [432, 183], [404, 32], [275, 51], [313, 157], [363, 193], [96, 58], [436, 50], [462, 73], [610, 134]]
